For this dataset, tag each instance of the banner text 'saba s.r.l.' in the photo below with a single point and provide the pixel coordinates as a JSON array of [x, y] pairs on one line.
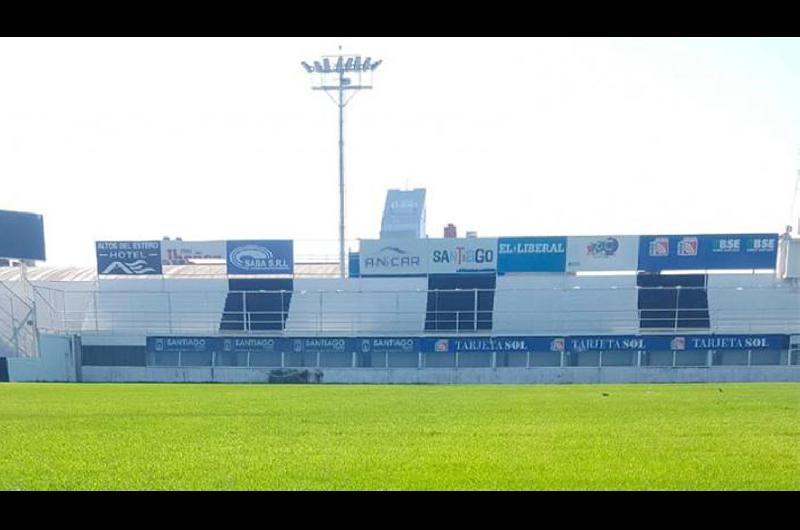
[[128, 258], [260, 257], [719, 251], [21, 235]]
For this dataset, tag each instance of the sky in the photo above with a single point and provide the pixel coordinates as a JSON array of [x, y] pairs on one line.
[[222, 138]]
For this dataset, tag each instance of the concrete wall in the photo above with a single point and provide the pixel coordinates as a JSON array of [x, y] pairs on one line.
[[56, 362], [542, 375], [559, 304], [531, 304], [753, 303], [365, 305]]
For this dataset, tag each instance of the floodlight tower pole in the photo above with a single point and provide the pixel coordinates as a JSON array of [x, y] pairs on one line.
[[353, 65], [341, 172]]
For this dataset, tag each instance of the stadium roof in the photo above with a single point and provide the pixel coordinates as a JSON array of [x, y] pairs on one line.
[[89, 274]]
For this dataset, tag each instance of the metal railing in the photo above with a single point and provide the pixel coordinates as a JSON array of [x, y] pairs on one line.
[[398, 313], [18, 330]]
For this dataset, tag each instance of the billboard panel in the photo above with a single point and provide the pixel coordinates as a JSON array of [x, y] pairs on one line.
[[532, 254], [248, 344], [602, 253], [469, 344], [719, 251], [729, 342], [353, 265], [129, 258], [404, 214], [21, 235], [612, 343], [322, 345], [489, 344], [181, 344], [260, 256], [462, 255], [389, 344], [187, 252], [393, 257]]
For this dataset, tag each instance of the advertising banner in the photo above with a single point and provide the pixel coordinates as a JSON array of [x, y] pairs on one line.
[[489, 344], [393, 257], [614, 343], [322, 345], [260, 257], [182, 344], [462, 255], [248, 344], [469, 344], [353, 265], [188, 252], [130, 258], [729, 342], [602, 253], [389, 344], [532, 254], [404, 214], [720, 251], [21, 235]]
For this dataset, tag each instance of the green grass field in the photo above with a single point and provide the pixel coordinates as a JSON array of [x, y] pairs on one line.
[[105, 436]]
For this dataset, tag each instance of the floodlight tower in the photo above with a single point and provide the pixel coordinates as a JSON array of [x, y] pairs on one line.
[[340, 73]]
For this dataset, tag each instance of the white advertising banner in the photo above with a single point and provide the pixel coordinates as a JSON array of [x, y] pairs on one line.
[[393, 257], [188, 252], [462, 255], [602, 253]]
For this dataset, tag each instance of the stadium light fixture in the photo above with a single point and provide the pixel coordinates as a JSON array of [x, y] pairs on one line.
[[328, 75]]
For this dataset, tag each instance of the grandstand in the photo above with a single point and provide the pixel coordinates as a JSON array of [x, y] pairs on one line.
[[414, 309]]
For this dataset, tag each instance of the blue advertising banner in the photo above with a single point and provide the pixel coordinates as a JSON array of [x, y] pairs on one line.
[[389, 344], [324, 345], [21, 235], [722, 251], [248, 344], [729, 342], [474, 344], [468, 344], [182, 344], [260, 257], [531, 254], [617, 343], [130, 258], [353, 269]]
